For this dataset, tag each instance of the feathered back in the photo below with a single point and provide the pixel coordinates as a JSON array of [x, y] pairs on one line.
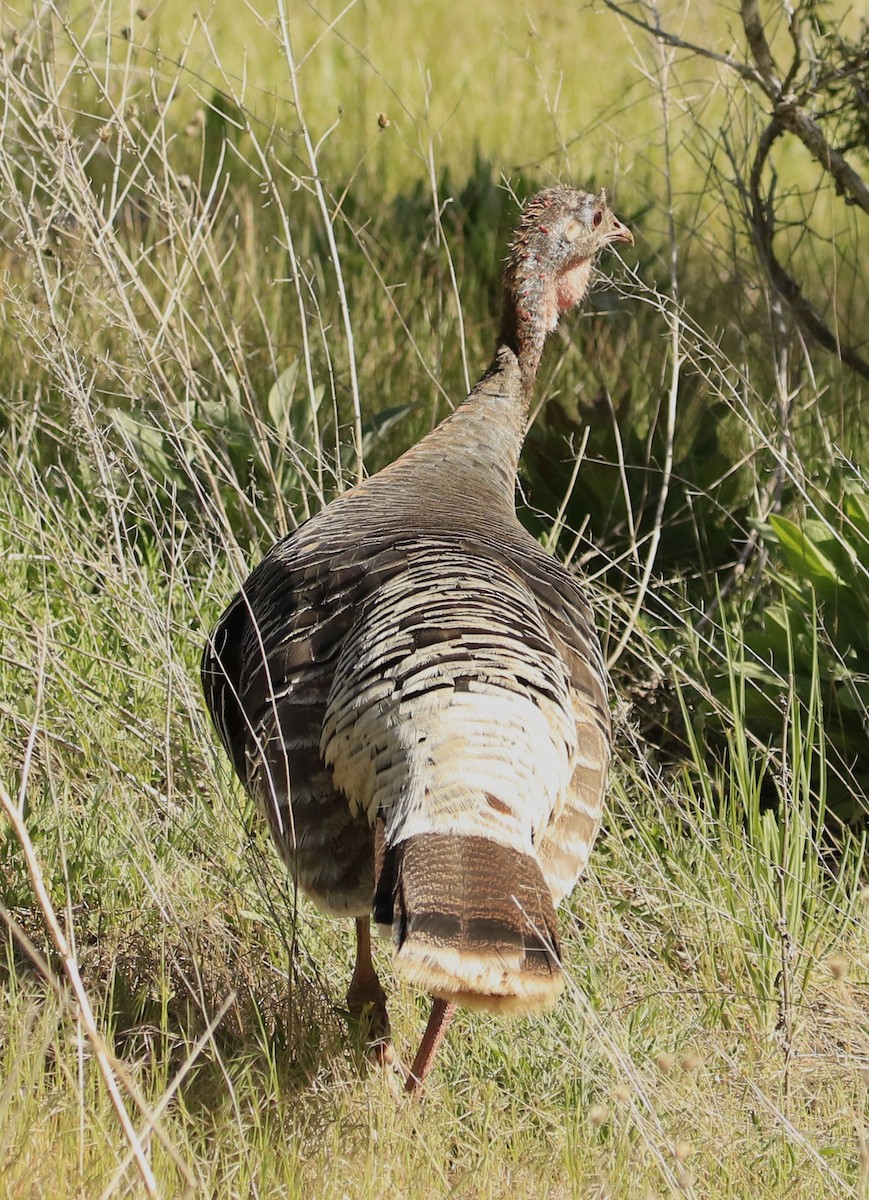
[[411, 660]]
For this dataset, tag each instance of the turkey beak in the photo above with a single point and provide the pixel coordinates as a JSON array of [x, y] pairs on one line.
[[619, 232]]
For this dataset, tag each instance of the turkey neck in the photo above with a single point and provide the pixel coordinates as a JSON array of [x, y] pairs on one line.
[[468, 464], [493, 419], [524, 323], [463, 473]]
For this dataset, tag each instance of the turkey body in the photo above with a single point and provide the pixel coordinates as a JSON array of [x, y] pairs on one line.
[[413, 691]]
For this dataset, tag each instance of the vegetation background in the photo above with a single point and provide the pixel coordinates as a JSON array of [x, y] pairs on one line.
[[248, 252]]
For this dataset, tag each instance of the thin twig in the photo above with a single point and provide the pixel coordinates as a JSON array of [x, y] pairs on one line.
[[439, 207], [672, 39]]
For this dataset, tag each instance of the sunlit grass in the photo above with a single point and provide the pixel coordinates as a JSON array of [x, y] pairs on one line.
[[178, 388]]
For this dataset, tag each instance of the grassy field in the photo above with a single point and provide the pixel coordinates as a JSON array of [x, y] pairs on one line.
[[245, 259]]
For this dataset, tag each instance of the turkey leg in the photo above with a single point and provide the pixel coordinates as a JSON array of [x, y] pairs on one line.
[[366, 999], [442, 1013]]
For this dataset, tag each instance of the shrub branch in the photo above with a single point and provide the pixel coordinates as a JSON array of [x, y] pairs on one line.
[[789, 115]]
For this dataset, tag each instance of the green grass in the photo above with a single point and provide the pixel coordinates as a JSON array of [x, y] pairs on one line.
[[178, 388]]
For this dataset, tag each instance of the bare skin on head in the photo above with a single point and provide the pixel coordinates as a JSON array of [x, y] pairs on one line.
[[549, 265], [411, 661]]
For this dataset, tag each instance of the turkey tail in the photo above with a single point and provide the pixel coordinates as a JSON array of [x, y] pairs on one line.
[[472, 922]]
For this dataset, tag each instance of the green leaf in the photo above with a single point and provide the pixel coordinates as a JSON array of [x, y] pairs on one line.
[[279, 403], [147, 444], [801, 553], [856, 508], [378, 425]]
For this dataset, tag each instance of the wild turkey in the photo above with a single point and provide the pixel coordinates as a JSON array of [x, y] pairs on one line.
[[413, 690]]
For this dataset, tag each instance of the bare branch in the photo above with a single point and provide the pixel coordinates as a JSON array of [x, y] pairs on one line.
[[763, 229], [760, 47], [795, 29], [671, 39], [788, 116], [797, 121], [838, 74]]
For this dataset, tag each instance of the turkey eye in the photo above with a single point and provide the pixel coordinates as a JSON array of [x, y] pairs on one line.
[[572, 230], [597, 218]]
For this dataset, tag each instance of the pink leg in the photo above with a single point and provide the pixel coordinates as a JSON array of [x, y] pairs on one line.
[[442, 1013], [366, 999]]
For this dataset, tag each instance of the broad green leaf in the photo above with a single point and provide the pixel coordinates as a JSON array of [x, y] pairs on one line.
[[857, 511], [381, 423], [802, 553], [147, 444], [279, 403]]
